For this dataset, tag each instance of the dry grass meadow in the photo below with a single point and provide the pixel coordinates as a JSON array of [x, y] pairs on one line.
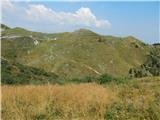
[[136, 100], [83, 101]]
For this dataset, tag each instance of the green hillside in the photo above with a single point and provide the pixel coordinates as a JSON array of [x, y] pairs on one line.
[[74, 54], [15, 73]]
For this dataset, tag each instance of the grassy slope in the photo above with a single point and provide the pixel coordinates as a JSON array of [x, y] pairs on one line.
[[77, 54], [134, 100]]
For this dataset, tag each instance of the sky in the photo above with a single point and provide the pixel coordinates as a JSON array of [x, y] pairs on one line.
[[118, 18]]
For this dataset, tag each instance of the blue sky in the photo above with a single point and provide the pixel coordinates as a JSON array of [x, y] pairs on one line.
[[138, 19]]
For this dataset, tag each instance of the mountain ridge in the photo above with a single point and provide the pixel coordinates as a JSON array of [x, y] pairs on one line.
[[79, 31]]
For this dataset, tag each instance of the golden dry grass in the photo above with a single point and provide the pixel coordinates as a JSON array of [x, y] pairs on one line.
[[68, 102], [137, 99]]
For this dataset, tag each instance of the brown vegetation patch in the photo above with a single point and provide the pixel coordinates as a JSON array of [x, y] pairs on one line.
[[85, 101]]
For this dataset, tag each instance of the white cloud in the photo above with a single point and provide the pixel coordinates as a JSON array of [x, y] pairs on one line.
[[82, 16], [40, 14]]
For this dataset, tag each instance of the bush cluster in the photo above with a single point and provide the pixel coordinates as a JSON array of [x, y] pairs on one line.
[[150, 68]]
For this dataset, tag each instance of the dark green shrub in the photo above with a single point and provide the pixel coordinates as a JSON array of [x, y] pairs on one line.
[[105, 78]]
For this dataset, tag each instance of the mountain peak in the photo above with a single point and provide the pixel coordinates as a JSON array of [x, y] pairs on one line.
[[84, 31], [3, 26]]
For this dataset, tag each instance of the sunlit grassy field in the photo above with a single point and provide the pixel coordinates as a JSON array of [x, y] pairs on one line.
[[137, 99]]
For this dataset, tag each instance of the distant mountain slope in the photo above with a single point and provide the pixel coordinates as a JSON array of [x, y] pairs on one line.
[[74, 54]]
